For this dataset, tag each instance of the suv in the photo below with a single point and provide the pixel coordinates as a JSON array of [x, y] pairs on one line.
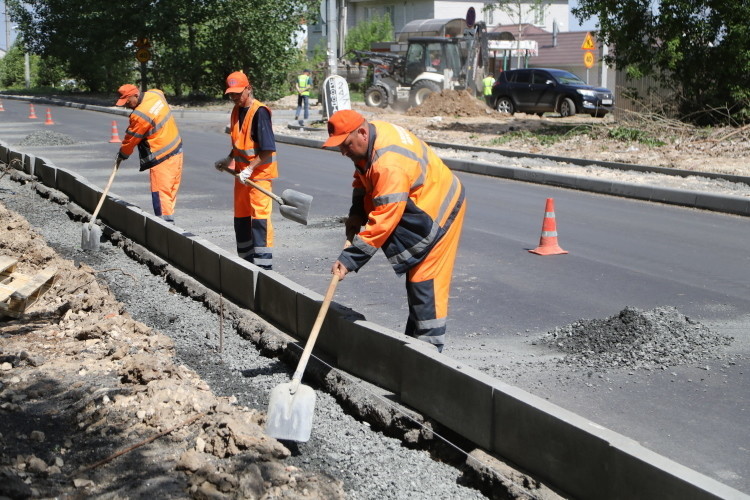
[[540, 90]]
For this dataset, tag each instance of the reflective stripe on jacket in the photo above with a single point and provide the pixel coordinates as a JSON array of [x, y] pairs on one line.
[[152, 128], [244, 149], [408, 196], [304, 82], [488, 82]]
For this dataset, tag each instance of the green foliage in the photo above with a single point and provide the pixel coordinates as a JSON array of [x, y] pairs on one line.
[[378, 29], [700, 48], [12, 73], [627, 134]]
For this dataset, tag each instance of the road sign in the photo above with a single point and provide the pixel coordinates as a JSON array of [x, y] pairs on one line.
[[588, 58], [588, 42], [143, 43], [143, 55]]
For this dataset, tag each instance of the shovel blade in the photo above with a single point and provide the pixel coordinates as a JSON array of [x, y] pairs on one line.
[[290, 416], [90, 236], [296, 205]]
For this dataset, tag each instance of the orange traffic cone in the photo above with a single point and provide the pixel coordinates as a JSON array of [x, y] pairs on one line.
[[1, 106], [32, 115], [548, 242], [49, 121], [115, 135]]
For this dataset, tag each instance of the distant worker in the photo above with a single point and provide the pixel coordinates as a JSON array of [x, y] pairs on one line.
[[303, 86], [411, 205], [153, 130], [253, 155], [487, 84]]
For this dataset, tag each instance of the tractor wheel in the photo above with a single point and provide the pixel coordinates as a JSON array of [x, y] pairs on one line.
[[421, 90], [376, 97]]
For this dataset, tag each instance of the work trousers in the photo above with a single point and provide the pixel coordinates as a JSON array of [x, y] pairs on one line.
[[253, 229], [165, 182], [303, 102], [428, 287]]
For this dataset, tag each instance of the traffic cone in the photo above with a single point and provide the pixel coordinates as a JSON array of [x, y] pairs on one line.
[[49, 121], [115, 135], [32, 115], [1, 106], [548, 242]]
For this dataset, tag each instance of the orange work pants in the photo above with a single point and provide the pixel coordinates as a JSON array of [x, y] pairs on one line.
[[253, 229], [165, 182], [428, 287]]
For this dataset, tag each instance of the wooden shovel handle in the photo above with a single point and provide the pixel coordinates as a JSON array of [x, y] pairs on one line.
[[252, 184], [106, 190], [297, 377]]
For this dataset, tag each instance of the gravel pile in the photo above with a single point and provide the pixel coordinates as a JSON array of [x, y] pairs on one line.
[[655, 339], [47, 138]]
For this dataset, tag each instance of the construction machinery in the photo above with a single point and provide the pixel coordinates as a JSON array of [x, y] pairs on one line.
[[425, 64]]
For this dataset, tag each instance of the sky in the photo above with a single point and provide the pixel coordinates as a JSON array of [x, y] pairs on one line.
[[573, 22]]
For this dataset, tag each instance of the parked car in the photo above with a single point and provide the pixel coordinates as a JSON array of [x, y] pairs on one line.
[[541, 90]]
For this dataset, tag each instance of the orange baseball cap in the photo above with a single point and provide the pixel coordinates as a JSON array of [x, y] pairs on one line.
[[340, 125], [236, 82], [126, 91]]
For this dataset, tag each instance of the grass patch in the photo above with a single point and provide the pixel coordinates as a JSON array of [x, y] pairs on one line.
[[545, 136], [627, 134]]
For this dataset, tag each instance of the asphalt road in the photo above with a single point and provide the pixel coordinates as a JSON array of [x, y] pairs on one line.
[[622, 253]]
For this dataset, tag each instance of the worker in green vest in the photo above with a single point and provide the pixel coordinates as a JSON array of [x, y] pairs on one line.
[[303, 86], [487, 83]]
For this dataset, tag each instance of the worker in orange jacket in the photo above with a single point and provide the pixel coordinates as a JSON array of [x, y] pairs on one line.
[[153, 130], [411, 205], [253, 155]]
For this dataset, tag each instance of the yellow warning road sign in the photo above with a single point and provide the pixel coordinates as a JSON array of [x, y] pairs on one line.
[[588, 59], [588, 42]]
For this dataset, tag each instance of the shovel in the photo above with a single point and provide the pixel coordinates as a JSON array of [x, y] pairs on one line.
[[92, 233], [291, 405], [292, 204]]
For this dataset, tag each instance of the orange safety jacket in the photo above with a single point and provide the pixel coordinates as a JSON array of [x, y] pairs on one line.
[[408, 195], [152, 128], [244, 148]]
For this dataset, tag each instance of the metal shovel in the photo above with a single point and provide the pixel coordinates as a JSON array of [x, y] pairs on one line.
[[91, 233], [291, 405], [292, 204]]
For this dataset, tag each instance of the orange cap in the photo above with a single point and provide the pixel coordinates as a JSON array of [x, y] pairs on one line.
[[126, 91], [237, 82], [340, 125]]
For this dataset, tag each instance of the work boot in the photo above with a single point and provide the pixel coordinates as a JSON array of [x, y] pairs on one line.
[[301, 123]]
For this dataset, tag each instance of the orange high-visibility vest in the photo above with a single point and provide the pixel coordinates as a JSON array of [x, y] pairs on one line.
[[408, 195], [244, 148], [152, 128]]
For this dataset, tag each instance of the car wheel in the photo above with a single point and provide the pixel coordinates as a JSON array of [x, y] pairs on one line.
[[421, 90], [567, 108], [376, 97], [505, 106]]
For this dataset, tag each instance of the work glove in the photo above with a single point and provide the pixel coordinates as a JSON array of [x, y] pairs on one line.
[[245, 175], [223, 163], [121, 157]]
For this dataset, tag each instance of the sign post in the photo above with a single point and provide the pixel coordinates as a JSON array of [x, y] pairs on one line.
[[336, 95], [588, 56], [143, 55]]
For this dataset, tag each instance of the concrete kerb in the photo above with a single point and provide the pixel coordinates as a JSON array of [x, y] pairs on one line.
[[450, 389], [239, 280]]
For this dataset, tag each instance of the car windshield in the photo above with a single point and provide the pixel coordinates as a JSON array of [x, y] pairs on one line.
[[567, 78]]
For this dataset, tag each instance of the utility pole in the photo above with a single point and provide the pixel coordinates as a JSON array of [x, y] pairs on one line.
[[7, 28], [333, 36]]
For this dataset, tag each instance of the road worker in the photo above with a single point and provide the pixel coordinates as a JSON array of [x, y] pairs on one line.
[[253, 155], [153, 130], [411, 205], [487, 83], [303, 86]]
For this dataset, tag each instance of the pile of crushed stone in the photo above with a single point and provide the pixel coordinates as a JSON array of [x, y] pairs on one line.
[[450, 103], [655, 339], [47, 138]]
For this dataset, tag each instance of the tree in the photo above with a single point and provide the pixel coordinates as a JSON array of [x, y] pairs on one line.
[[519, 12], [362, 36], [699, 48]]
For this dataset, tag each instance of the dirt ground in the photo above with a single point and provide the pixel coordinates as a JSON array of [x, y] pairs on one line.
[[458, 118], [93, 405]]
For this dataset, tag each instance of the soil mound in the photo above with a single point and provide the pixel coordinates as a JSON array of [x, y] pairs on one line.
[[654, 339], [450, 103]]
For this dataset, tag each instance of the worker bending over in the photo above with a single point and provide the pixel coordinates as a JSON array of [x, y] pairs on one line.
[[153, 130], [411, 205]]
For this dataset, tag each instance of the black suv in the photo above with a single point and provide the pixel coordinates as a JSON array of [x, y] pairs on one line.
[[540, 90]]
